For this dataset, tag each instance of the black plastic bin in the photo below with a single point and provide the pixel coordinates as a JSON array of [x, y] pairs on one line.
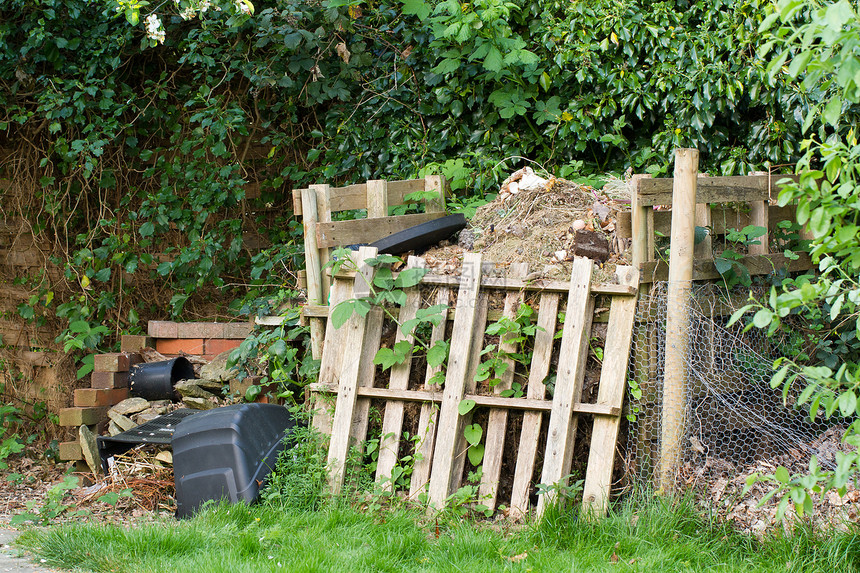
[[226, 453], [155, 380]]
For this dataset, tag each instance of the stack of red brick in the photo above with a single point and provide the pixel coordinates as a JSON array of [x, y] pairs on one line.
[[108, 386], [109, 380]]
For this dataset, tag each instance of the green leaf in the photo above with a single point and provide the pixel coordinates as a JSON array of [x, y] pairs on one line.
[[341, 313], [738, 314], [768, 22], [762, 318], [465, 406], [252, 392], [409, 325], [723, 265], [437, 354], [473, 434], [494, 60], [476, 454], [79, 326], [836, 306], [279, 348], [832, 111], [386, 358], [544, 81], [781, 475], [777, 379], [147, 229], [819, 222], [409, 278], [417, 8], [847, 403]]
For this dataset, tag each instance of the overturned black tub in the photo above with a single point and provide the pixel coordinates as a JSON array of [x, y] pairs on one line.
[[155, 380], [226, 453]]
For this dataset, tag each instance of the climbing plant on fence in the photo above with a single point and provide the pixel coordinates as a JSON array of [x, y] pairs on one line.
[[818, 46]]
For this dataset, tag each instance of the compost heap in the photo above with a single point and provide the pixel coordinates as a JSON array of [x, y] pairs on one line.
[[545, 223]]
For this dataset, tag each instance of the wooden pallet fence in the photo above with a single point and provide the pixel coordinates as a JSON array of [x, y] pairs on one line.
[[437, 443]]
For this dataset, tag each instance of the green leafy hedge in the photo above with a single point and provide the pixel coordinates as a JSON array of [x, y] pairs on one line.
[[144, 151]]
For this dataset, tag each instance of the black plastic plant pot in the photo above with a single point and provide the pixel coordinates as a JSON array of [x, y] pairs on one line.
[[421, 236], [155, 380]]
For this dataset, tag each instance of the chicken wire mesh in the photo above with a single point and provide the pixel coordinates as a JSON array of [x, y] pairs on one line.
[[733, 423]]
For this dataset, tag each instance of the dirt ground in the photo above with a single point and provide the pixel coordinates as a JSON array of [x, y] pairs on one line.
[[26, 484]]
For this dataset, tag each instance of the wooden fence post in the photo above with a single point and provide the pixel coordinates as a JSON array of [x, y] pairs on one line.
[[677, 315]]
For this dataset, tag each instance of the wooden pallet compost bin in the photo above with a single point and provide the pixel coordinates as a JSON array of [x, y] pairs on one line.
[[316, 206], [718, 204], [431, 413]]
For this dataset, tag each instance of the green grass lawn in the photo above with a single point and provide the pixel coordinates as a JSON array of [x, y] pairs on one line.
[[649, 536]]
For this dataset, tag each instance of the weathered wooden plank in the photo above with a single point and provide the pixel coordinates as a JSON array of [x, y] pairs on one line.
[[435, 183], [355, 196], [536, 391], [398, 190], [377, 198], [538, 285], [704, 250], [759, 217], [356, 328], [312, 263], [298, 211], [501, 283], [639, 222], [392, 421], [331, 362], [494, 444], [323, 193], [429, 412], [568, 386], [493, 315], [349, 197], [715, 189], [654, 271], [461, 446], [723, 219], [673, 422], [455, 381], [366, 374], [524, 404], [613, 382], [357, 231]]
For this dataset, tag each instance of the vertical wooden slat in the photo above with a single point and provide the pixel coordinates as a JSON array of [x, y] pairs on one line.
[[455, 381], [461, 446], [332, 361], [759, 218], [429, 412], [366, 374], [392, 422], [437, 183], [613, 382], [310, 218], [547, 316], [568, 385], [639, 223], [704, 250], [677, 316], [377, 198], [353, 347], [323, 196], [497, 424]]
